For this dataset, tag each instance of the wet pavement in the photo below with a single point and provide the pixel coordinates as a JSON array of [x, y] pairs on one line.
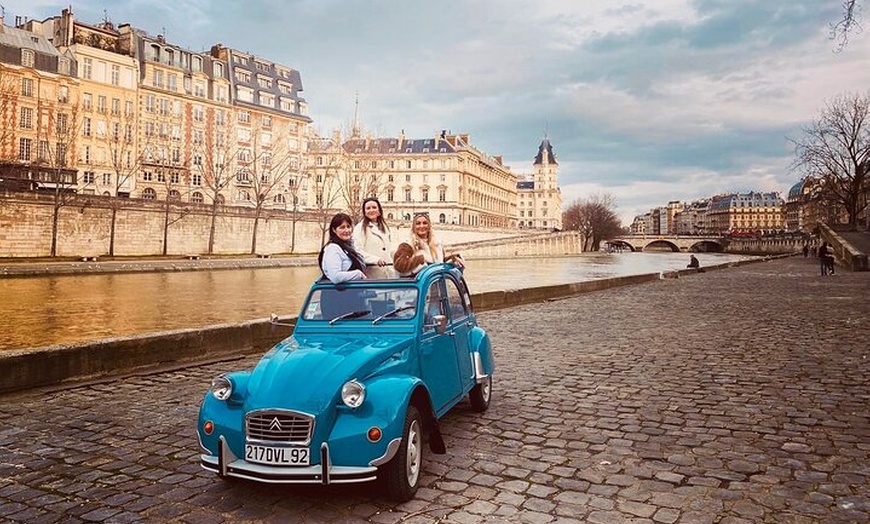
[[732, 396]]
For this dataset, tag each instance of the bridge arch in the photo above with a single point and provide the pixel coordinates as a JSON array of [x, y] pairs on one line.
[[660, 244], [707, 246]]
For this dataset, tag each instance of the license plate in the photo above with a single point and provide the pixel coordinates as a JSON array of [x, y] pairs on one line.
[[275, 456]]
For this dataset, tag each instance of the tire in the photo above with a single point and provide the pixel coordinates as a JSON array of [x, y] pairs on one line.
[[402, 473], [480, 395]]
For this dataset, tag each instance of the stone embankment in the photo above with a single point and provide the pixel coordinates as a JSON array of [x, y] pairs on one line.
[[726, 397]]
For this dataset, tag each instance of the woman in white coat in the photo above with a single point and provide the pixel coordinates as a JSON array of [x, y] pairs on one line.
[[371, 237]]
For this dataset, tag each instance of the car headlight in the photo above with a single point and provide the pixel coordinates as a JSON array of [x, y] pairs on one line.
[[221, 387], [353, 394]]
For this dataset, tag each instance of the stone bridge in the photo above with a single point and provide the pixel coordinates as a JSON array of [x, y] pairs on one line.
[[526, 244], [674, 243]]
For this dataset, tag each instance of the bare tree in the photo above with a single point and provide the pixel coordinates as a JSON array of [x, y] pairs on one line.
[[835, 149], [173, 208], [57, 133], [214, 160], [323, 168], [848, 24], [595, 218], [117, 135], [267, 171], [9, 83]]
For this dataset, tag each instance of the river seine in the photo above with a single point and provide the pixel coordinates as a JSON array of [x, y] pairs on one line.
[[65, 309]]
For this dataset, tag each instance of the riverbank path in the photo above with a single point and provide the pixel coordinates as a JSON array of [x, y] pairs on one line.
[[732, 396]]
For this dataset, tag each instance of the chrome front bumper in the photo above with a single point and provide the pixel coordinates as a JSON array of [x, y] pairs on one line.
[[226, 464]]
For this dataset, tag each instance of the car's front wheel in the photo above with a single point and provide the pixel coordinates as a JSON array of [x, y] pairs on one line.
[[480, 395], [402, 473]]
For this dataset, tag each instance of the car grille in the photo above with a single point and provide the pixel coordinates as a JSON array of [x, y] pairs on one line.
[[289, 427]]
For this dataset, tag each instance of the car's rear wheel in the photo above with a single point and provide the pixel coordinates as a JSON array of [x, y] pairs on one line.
[[481, 394], [402, 473]]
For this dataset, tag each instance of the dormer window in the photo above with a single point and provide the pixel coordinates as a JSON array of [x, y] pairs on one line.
[[28, 57]]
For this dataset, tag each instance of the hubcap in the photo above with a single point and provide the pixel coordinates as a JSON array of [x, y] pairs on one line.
[[414, 451], [486, 389]]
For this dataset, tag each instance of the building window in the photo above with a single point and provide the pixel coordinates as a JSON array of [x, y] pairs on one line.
[[149, 194], [442, 195], [243, 196], [101, 104], [26, 121], [107, 179], [86, 126], [24, 149], [442, 219], [88, 177], [147, 176], [244, 117], [196, 197], [174, 195], [407, 195], [196, 180], [87, 68], [63, 94], [425, 195], [26, 87]]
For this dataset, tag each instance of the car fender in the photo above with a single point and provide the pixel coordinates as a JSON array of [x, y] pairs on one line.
[[479, 343], [385, 406], [227, 416]]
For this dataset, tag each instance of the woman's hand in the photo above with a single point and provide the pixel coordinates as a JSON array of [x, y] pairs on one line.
[[382, 262]]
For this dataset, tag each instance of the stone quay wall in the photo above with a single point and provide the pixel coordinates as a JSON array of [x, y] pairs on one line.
[[766, 246], [84, 228]]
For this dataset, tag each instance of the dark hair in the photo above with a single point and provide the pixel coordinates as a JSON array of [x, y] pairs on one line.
[[382, 225], [356, 260]]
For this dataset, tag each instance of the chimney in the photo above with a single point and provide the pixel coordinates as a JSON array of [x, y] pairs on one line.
[[401, 140], [437, 139]]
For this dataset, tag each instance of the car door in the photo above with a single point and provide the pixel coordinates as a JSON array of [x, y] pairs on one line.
[[461, 323], [438, 362]]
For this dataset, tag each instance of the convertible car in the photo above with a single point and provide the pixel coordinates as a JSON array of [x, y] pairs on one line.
[[358, 387]]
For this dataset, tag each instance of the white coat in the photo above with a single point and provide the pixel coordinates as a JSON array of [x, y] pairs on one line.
[[374, 244]]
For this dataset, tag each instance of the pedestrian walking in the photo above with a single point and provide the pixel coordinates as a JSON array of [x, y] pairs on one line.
[[826, 259]]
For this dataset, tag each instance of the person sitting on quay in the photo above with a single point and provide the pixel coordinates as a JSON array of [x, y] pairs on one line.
[[694, 264]]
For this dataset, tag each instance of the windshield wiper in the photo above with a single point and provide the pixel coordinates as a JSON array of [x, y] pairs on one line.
[[350, 314], [392, 313]]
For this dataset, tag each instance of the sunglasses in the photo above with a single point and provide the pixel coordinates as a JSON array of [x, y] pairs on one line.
[[422, 214]]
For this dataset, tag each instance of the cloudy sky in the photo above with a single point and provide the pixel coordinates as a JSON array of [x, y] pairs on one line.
[[645, 100]]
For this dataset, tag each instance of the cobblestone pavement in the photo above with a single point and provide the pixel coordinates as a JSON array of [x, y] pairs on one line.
[[733, 396]]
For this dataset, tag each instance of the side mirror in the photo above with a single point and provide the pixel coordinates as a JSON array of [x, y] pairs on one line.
[[275, 320]]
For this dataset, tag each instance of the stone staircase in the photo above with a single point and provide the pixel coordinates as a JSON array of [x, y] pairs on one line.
[[851, 246]]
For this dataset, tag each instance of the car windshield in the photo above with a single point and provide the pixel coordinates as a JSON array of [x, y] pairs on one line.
[[349, 303]]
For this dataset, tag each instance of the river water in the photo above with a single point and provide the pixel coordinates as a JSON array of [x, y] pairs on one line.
[[77, 308]]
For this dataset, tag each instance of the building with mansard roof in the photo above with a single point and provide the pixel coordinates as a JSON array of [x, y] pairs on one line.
[[444, 175], [38, 107]]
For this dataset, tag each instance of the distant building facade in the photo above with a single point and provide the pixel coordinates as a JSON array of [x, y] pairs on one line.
[[746, 212], [539, 198], [445, 176]]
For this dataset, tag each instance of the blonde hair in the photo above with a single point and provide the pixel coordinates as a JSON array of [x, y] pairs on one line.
[[418, 242]]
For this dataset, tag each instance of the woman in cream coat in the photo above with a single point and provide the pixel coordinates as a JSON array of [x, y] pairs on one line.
[[371, 237]]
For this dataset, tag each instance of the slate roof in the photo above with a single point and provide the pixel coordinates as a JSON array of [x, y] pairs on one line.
[[21, 39], [548, 148], [391, 145]]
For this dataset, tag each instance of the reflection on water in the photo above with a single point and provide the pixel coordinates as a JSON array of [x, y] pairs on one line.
[[67, 309]]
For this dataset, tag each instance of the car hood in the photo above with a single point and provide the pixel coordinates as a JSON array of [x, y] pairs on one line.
[[306, 373]]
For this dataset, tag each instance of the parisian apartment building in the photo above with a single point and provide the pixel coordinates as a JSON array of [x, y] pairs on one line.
[[116, 112], [749, 212]]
